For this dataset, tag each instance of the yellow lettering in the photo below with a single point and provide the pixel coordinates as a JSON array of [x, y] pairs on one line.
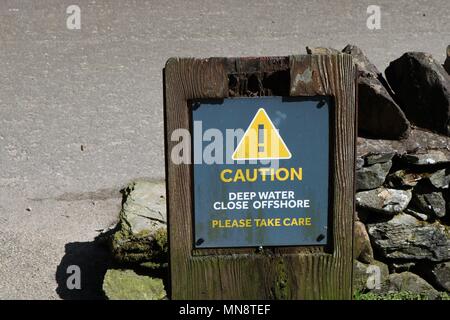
[[308, 221], [251, 179], [222, 175], [239, 176], [261, 174], [298, 174], [286, 174]]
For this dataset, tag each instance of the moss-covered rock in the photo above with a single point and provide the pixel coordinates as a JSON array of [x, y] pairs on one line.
[[402, 295], [127, 285], [141, 234], [128, 248], [410, 282]]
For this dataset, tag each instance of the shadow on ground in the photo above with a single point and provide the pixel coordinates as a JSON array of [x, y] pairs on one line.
[[93, 260]]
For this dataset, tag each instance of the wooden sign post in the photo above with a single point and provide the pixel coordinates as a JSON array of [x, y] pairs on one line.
[[267, 213]]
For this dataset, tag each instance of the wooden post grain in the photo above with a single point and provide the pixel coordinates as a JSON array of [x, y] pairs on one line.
[[308, 272]]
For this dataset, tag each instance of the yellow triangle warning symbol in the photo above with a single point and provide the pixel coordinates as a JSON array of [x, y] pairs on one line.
[[261, 141]]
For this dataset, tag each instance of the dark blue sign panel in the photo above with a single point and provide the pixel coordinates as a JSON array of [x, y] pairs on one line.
[[261, 172]]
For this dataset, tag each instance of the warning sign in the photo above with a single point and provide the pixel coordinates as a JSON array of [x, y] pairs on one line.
[[272, 187], [261, 141]]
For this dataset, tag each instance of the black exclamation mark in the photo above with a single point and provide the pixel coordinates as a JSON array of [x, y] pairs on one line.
[[260, 138]]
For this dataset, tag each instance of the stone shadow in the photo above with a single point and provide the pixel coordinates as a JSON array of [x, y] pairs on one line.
[[93, 260]]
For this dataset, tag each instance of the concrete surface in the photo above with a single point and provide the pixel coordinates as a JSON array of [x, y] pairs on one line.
[[100, 87]]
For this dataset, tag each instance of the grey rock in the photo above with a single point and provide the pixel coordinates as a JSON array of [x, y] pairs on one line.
[[405, 237], [373, 176], [440, 275], [145, 204], [141, 234], [371, 159], [410, 178], [420, 142], [365, 67], [398, 266], [447, 61], [430, 157], [378, 114], [388, 201], [416, 214], [428, 201], [422, 88], [362, 247], [440, 178], [403, 179], [362, 272], [359, 163], [127, 285], [410, 282]]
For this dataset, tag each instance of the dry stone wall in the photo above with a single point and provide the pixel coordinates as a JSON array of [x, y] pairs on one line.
[[402, 188], [403, 176]]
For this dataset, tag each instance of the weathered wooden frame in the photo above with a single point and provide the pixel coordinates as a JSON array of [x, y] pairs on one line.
[[277, 273]]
